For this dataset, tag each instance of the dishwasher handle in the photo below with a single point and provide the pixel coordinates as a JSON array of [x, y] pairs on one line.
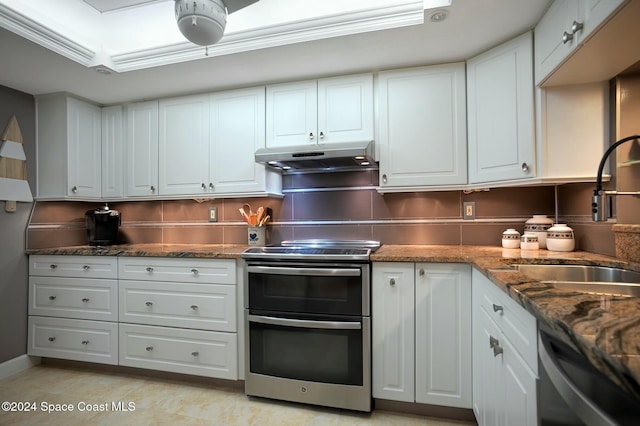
[[580, 404]]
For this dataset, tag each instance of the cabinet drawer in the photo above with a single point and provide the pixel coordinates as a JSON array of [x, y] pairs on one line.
[[218, 271], [81, 298], [518, 325], [74, 266], [202, 353], [207, 307], [79, 340]]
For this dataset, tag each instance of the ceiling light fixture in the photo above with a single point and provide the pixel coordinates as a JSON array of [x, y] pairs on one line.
[[201, 21], [439, 15]]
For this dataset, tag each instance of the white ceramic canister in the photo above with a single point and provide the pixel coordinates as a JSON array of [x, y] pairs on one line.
[[511, 239], [538, 225], [529, 241], [560, 237]]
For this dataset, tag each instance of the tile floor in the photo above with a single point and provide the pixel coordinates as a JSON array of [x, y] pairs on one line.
[[160, 401]]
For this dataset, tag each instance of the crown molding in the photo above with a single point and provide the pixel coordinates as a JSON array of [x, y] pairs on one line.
[[410, 12]]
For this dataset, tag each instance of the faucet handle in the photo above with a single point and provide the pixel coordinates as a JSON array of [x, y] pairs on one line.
[[599, 206]]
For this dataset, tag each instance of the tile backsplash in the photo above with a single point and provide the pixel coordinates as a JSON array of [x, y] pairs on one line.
[[342, 205]]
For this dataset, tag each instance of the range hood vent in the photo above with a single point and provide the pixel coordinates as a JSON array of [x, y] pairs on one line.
[[319, 157]]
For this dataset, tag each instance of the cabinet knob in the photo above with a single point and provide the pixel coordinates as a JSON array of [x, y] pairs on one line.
[[52, 339], [495, 345], [497, 308], [52, 297], [85, 342], [566, 37], [195, 353], [576, 26], [53, 266], [194, 271], [211, 185], [149, 269], [149, 304], [384, 178], [74, 189], [392, 281], [204, 187], [321, 135], [194, 307], [149, 348], [421, 272], [85, 300], [152, 188], [525, 168], [86, 267], [311, 136]]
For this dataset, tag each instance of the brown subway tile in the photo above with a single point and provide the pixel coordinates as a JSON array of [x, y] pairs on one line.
[[575, 199], [230, 211], [417, 234], [595, 238], [48, 238], [340, 232], [193, 235], [509, 202], [413, 205], [141, 235], [189, 210], [62, 212], [487, 233], [139, 211]]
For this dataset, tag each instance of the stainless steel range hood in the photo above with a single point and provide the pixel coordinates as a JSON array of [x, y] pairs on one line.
[[319, 157]]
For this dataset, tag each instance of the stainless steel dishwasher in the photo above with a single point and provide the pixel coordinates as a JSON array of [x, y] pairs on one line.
[[572, 392]]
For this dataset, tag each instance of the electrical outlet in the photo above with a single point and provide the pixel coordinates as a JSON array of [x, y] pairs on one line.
[[469, 210], [213, 214]]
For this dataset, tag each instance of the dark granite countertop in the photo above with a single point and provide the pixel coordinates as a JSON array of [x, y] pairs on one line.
[[606, 329]]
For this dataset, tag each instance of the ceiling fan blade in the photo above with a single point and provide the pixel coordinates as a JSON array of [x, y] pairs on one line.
[[235, 5]]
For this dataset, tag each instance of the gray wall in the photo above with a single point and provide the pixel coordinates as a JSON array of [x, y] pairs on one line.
[[13, 261]]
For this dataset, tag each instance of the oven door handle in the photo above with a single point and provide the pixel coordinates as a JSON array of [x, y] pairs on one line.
[[288, 322], [279, 270]]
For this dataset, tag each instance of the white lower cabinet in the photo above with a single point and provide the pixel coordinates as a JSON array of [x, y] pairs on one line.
[[179, 315], [422, 333], [505, 369]]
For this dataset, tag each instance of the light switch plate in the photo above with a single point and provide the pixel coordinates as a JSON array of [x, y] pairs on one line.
[[213, 214]]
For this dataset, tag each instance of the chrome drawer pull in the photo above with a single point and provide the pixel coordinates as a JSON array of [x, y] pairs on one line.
[[53, 266], [195, 353], [149, 348], [85, 342], [495, 345], [52, 339], [149, 304], [194, 307], [85, 299], [86, 267], [149, 269], [52, 297], [392, 281], [497, 308], [194, 271]]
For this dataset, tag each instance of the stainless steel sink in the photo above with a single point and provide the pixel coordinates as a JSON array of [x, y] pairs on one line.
[[587, 279]]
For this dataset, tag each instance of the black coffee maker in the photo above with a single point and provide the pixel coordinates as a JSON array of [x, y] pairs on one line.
[[102, 226]]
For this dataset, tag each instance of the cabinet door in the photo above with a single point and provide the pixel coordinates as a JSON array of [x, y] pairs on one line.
[[112, 155], [423, 133], [292, 113], [184, 146], [237, 131], [443, 334], [345, 109], [593, 13], [501, 112], [488, 383], [84, 122], [550, 46], [141, 176], [393, 328], [519, 382]]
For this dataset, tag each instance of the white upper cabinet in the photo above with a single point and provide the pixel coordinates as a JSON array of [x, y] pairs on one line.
[[183, 140], [68, 148], [237, 123], [141, 159], [500, 108], [112, 152], [565, 27], [330, 110], [422, 127]]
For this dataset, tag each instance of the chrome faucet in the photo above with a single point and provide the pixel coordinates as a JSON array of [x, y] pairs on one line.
[[600, 207]]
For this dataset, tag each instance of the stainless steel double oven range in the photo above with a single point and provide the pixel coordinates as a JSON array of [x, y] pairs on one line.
[[307, 322]]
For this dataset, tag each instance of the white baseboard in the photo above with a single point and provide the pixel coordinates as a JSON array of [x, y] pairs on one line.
[[18, 364]]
